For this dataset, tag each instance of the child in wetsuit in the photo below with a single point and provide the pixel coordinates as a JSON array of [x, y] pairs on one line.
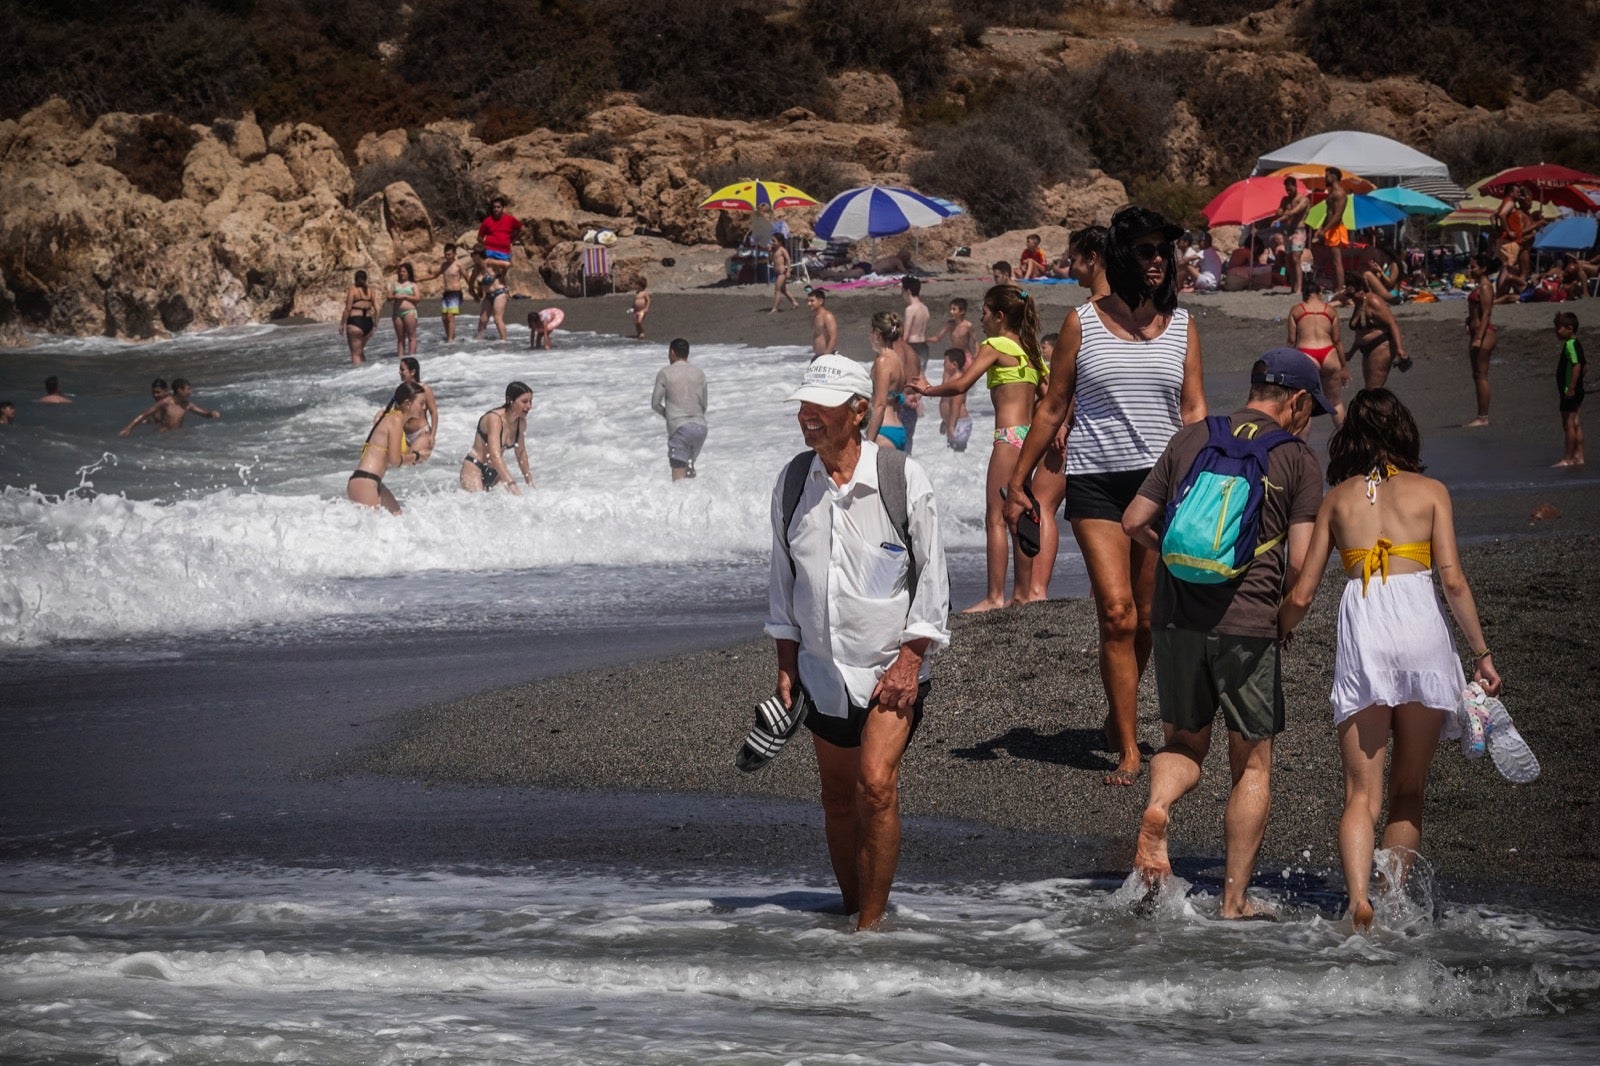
[[1570, 365]]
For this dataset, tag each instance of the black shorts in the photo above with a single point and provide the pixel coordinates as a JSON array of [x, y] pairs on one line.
[[846, 732], [1103, 495], [1570, 404]]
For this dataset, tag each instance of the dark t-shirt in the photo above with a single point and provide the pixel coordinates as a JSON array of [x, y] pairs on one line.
[[1248, 605], [1567, 365]]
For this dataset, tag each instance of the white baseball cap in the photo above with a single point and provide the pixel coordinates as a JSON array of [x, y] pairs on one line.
[[831, 380]]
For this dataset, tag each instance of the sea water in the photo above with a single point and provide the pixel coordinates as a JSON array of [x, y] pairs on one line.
[[240, 526], [237, 530], [263, 964]]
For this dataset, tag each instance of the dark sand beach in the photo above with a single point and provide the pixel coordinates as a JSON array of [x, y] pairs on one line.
[[1008, 764]]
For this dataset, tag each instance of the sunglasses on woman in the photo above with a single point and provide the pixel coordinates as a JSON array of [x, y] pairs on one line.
[[1149, 251]]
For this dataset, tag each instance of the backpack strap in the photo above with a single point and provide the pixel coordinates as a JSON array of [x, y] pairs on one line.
[[794, 483], [892, 491]]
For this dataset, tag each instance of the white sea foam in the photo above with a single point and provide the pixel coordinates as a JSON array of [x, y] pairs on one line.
[[531, 965], [242, 523]]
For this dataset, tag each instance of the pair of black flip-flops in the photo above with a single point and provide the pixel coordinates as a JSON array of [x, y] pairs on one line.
[[775, 724]]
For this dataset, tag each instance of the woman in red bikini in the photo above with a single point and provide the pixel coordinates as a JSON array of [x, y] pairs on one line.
[[1480, 332], [1314, 329]]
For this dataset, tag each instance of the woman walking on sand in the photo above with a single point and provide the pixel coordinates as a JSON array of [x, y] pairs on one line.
[[1314, 329], [1013, 367], [385, 447], [359, 318], [404, 294], [1128, 366], [1395, 672], [1481, 332], [422, 428], [1375, 334]]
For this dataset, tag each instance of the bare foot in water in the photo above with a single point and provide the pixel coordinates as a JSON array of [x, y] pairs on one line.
[[1476, 423], [1361, 915], [1250, 911], [985, 605], [1150, 854]]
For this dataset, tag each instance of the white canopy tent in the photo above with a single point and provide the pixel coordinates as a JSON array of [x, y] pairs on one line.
[[1366, 154]]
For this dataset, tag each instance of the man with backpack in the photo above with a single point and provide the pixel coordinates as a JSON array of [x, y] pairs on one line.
[[1229, 508], [859, 597]]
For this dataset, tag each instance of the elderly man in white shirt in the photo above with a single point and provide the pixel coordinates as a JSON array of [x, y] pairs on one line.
[[851, 626]]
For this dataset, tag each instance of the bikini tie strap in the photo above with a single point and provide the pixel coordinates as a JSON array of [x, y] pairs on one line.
[[1377, 558]]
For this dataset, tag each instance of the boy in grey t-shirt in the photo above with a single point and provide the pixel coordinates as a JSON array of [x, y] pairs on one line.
[[680, 397]]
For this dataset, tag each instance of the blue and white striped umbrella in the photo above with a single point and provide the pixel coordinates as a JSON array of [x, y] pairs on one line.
[[879, 211]]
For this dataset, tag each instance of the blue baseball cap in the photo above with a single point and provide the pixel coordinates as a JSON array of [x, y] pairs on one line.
[[1292, 369]]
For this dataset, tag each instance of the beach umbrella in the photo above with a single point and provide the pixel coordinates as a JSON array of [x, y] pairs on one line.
[[1313, 176], [1247, 201], [1360, 212], [1541, 176], [749, 195], [1365, 153], [879, 211], [1410, 201], [1575, 234], [1438, 188]]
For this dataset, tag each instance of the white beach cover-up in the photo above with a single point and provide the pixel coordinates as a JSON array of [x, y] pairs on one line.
[[1395, 647]]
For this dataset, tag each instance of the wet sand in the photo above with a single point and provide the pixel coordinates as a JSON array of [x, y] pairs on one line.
[[1010, 744]]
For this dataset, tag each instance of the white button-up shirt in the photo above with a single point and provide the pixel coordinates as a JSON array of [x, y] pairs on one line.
[[845, 601]]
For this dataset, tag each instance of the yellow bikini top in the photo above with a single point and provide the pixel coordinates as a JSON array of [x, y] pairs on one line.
[[1376, 558], [1007, 375], [404, 444]]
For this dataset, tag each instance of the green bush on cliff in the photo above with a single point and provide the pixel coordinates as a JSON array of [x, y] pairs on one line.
[[893, 36]]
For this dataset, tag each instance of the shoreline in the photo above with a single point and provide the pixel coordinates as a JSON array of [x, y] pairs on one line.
[[1011, 741]]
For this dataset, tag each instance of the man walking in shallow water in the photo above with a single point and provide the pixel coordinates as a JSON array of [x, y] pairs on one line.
[[1216, 645], [856, 603]]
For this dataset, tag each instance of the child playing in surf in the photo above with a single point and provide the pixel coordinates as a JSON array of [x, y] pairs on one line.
[[1395, 672], [640, 308], [1570, 367]]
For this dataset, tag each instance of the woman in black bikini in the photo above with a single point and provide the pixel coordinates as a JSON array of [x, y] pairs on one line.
[[1375, 333], [492, 295], [385, 447], [359, 318], [504, 426]]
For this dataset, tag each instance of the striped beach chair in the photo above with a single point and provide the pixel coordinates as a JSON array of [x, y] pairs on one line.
[[597, 265]]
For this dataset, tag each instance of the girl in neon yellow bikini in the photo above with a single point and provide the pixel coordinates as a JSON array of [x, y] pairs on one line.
[[1013, 367], [404, 294]]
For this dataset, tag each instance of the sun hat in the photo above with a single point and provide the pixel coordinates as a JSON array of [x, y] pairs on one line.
[[831, 380], [1292, 369]]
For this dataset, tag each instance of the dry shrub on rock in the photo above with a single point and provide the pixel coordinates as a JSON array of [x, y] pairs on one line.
[[438, 173], [151, 155], [992, 176], [893, 36]]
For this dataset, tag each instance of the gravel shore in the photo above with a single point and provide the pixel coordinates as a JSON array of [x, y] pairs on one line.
[[1012, 738]]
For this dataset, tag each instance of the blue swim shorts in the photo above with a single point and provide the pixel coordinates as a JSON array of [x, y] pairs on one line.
[[498, 257], [450, 303]]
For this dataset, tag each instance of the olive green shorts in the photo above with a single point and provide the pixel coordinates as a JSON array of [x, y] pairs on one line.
[[1199, 673]]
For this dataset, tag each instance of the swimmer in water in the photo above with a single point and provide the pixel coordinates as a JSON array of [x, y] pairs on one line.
[[500, 430], [404, 294], [422, 429], [359, 318], [167, 412], [385, 447]]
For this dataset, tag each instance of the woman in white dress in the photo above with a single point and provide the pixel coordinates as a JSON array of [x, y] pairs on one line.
[[1395, 672]]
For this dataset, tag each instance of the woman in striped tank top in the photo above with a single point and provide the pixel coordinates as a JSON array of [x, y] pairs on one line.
[[1128, 367]]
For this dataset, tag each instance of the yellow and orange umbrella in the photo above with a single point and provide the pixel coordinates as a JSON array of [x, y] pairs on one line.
[[749, 195]]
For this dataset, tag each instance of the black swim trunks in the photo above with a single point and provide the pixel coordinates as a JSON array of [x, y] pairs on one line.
[[1103, 496], [846, 732]]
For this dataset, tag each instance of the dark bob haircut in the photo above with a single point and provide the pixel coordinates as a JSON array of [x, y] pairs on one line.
[[1124, 271]]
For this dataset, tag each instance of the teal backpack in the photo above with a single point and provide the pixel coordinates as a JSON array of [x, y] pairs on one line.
[[1213, 527]]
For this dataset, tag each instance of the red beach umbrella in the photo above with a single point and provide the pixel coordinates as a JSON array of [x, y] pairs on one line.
[[1247, 201], [1541, 176]]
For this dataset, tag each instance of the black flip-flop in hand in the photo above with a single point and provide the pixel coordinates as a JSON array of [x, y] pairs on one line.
[[1027, 525]]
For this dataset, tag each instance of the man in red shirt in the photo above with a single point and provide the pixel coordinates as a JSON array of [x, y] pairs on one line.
[[496, 233]]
